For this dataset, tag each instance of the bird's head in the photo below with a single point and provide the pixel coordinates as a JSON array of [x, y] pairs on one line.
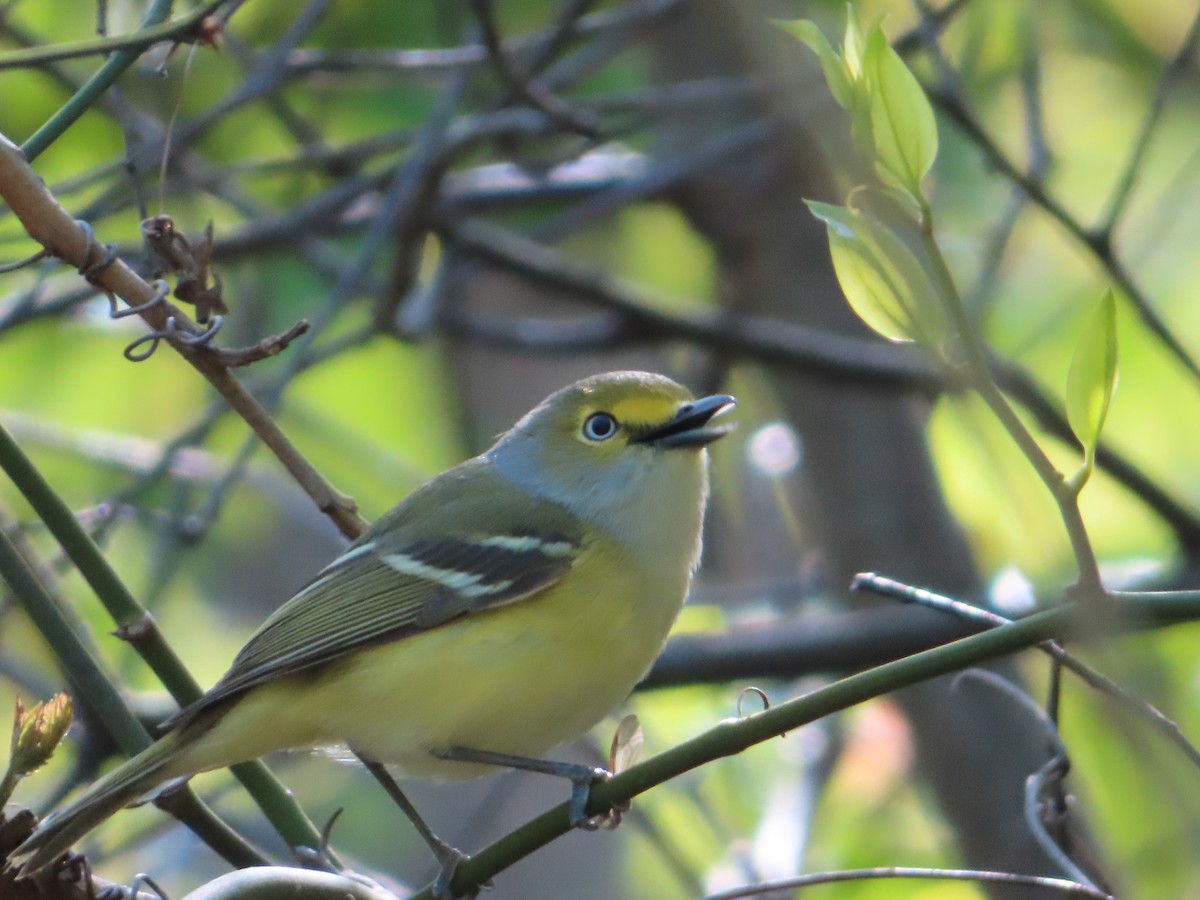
[[614, 444]]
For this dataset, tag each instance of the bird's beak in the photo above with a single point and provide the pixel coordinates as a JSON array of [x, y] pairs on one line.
[[689, 426]]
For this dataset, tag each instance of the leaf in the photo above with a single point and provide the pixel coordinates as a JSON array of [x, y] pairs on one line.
[[834, 67], [903, 127], [1092, 379], [869, 289], [627, 743], [885, 282], [852, 45], [916, 293], [35, 735]]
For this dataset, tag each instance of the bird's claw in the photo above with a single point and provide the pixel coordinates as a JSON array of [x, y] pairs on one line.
[[450, 859], [581, 792]]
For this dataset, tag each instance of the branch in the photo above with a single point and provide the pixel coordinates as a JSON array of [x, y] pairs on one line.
[[137, 627], [1098, 244], [51, 226], [106, 76], [732, 736], [92, 684], [629, 18], [901, 872], [819, 353], [1090, 676], [522, 86], [796, 646], [137, 43]]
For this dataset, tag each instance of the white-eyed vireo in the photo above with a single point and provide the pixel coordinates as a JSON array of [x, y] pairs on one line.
[[504, 607]]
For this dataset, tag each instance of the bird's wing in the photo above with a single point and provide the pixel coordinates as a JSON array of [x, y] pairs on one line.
[[404, 576]]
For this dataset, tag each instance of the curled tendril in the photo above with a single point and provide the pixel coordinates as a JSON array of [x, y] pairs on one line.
[[170, 332], [755, 691]]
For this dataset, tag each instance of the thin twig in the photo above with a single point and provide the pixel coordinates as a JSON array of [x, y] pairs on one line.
[[522, 86], [50, 225], [958, 113], [1133, 166], [822, 354], [628, 18], [105, 77], [899, 591], [271, 345], [149, 34], [905, 872], [1046, 803]]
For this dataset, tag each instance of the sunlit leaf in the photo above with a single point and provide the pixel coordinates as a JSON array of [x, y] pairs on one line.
[[874, 296], [895, 295], [903, 128], [1092, 379], [912, 277], [852, 45]]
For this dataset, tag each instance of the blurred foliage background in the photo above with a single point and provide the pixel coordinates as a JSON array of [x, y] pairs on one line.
[[463, 243]]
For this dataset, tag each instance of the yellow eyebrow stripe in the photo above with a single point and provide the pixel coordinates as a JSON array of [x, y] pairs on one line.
[[644, 411]]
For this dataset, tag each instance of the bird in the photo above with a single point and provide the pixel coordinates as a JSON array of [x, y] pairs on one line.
[[503, 608]]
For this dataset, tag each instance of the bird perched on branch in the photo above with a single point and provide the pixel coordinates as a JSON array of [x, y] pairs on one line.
[[503, 608]]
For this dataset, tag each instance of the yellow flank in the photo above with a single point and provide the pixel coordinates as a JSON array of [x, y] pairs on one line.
[[519, 680]]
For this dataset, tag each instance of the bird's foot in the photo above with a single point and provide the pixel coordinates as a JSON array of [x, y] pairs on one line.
[[450, 858]]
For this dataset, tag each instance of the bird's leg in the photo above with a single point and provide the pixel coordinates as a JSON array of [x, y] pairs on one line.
[[449, 858], [582, 777]]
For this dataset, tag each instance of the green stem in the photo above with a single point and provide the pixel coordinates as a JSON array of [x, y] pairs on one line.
[[90, 682], [107, 75], [7, 785], [136, 626], [133, 622], [732, 736], [1065, 495], [137, 42]]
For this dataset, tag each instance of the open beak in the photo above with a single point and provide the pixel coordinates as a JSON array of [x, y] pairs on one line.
[[689, 427]]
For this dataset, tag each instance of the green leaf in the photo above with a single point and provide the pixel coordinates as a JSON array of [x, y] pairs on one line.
[[38, 732], [852, 45], [926, 314], [903, 127], [1092, 379], [869, 287], [833, 66]]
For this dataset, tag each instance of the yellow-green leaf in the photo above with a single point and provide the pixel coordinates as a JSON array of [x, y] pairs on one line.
[[1092, 379], [910, 276], [870, 290], [852, 45], [37, 732], [903, 127]]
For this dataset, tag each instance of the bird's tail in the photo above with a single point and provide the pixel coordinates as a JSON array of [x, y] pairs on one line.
[[56, 833]]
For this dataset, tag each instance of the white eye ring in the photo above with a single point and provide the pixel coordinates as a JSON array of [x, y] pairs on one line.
[[599, 426]]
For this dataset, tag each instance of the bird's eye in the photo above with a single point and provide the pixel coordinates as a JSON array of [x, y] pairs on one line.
[[599, 427]]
